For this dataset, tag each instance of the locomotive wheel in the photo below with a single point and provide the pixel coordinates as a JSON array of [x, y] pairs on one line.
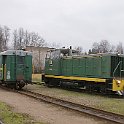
[[19, 85]]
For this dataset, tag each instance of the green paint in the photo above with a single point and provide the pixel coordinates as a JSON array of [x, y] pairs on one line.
[[85, 66]]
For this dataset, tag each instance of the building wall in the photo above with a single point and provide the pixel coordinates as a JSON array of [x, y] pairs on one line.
[[38, 57]]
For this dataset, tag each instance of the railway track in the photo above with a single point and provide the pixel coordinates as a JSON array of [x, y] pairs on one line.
[[112, 117], [116, 118]]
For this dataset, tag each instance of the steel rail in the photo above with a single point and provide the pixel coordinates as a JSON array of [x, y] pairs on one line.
[[109, 116], [76, 107]]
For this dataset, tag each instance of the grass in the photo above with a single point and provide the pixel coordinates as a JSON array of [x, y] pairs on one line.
[[115, 105], [7, 116], [101, 102]]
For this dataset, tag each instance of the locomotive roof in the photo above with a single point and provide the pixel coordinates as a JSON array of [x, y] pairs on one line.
[[110, 54], [16, 52], [63, 50], [93, 55]]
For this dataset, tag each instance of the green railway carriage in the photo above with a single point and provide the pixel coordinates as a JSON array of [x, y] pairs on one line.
[[100, 72], [15, 68]]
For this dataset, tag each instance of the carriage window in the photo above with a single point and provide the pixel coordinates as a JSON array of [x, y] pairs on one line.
[[20, 59]]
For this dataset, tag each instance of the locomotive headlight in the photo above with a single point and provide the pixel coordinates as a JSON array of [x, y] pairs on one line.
[[118, 81]]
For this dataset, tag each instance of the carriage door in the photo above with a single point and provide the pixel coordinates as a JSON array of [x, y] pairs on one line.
[[19, 68], [1, 68]]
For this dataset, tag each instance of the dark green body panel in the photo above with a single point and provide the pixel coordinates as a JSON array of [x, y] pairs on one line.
[[97, 66], [52, 66], [106, 67], [66, 67], [82, 67], [77, 67], [20, 67], [9, 61], [28, 68], [90, 66]]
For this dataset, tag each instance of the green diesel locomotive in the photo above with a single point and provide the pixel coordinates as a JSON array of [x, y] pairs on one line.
[[15, 68], [99, 72]]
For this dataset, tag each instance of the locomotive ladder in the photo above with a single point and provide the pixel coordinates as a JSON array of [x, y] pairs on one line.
[[120, 63]]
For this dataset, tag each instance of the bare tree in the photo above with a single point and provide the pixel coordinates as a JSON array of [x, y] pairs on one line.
[[1, 38], [120, 48], [112, 49], [24, 38], [101, 47], [54, 45], [15, 39], [6, 34], [18, 38], [104, 46], [4, 37], [36, 40], [79, 49], [95, 48]]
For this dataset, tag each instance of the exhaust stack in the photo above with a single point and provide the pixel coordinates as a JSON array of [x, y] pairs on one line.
[[70, 51]]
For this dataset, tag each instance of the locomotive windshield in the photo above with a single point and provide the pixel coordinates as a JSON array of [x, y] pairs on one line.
[[53, 54]]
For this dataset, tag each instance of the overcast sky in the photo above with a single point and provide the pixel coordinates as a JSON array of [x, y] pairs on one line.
[[68, 22]]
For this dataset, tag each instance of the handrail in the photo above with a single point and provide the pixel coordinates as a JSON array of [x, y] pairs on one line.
[[116, 69]]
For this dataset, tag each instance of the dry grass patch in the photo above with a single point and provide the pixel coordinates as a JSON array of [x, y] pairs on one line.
[[115, 105], [9, 117]]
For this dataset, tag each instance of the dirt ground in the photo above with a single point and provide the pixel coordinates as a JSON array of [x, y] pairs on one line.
[[44, 112], [106, 103]]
